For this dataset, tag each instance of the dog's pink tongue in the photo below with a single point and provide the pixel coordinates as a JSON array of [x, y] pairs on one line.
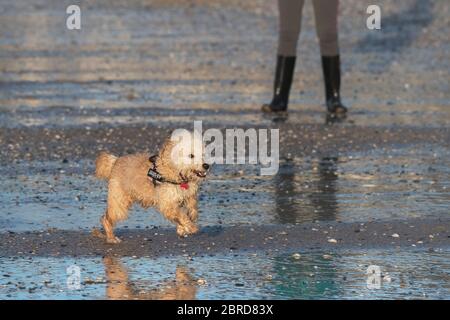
[[184, 186]]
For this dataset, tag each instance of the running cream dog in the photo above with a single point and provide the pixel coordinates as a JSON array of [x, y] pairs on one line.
[[168, 181]]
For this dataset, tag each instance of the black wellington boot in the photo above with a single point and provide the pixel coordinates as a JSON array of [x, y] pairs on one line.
[[332, 78], [282, 84]]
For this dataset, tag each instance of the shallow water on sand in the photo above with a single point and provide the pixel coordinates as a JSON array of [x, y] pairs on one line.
[[406, 183], [317, 275]]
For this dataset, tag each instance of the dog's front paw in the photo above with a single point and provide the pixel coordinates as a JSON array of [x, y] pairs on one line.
[[191, 228], [114, 240], [186, 230], [181, 231]]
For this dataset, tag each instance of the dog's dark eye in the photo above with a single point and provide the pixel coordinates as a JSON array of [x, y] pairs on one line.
[[191, 156]]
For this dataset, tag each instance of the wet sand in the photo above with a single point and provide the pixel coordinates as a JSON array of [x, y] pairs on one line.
[[72, 144], [118, 86], [216, 240]]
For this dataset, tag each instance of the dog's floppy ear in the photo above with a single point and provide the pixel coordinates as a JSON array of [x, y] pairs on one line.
[[166, 147]]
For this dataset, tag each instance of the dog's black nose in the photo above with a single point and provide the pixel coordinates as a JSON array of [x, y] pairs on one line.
[[205, 166]]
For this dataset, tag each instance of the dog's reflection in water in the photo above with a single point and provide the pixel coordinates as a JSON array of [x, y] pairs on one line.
[[120, 287]]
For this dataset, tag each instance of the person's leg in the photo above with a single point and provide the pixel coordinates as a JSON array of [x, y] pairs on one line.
[[290, 13], [290, 20], [326, 16]]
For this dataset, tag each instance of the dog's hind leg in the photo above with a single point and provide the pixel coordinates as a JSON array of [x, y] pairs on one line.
[[118, 205], [108, 225]]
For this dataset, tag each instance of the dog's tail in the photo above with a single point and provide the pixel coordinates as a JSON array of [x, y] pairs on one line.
[[104, 164]]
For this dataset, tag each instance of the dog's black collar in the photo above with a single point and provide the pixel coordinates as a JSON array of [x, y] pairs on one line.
[[157, 177]]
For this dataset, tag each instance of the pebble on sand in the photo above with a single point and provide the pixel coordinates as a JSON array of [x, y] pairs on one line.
[[395, 235], [332, 240], [296, 256]]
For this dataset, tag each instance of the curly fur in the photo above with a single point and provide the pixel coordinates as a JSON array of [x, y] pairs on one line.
[[104, 164], [128, 183]]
